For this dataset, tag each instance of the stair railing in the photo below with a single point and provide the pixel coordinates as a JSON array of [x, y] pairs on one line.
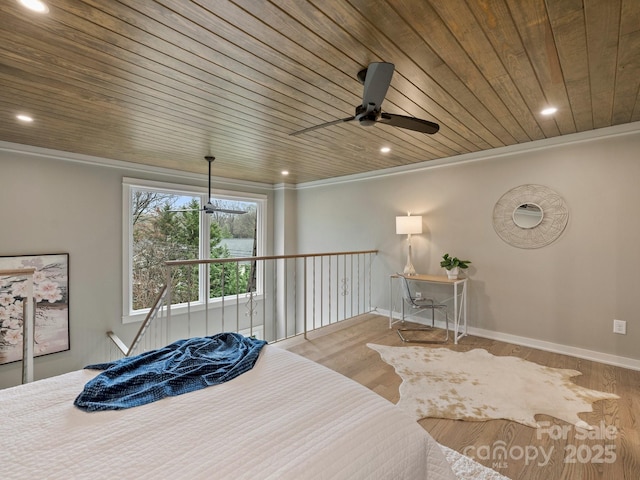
[[154, 313], [286, 296]]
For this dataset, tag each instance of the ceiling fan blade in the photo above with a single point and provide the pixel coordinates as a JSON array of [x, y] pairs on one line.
[[226, 210], [410, 123], [322, 125], [211, 210], [376, 83]]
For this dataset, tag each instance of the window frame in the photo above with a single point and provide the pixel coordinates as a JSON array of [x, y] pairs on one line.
[[129, 185]]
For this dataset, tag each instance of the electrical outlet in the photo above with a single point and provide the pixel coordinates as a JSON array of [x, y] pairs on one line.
[[418, 294], [620, 326]]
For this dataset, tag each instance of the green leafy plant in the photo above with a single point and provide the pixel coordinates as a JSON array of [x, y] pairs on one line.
[[452, 262]]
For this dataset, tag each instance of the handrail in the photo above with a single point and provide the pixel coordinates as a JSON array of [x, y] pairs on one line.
[[17, 271], [28, 321], [268, 257], [155, 309]]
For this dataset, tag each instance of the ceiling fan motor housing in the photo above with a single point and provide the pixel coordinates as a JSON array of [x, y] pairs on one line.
[[367, 115]]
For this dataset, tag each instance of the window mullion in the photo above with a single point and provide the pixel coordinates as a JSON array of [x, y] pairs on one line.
[[205, 249]]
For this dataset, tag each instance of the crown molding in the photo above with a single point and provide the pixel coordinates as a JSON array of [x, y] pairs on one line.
[[20, 149]]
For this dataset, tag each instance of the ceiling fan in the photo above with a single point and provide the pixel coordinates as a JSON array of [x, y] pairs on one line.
[[376, 79], [210, 207]]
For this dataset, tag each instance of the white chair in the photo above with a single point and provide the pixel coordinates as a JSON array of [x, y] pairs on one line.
[[417, 305]]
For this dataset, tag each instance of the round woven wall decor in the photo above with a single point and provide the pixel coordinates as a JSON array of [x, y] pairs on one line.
[[554, 219]]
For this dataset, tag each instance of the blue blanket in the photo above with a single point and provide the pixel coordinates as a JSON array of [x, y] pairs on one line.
[[183, 366]]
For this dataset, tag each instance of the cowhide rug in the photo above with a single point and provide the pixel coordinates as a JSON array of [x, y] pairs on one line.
[[476, 385]]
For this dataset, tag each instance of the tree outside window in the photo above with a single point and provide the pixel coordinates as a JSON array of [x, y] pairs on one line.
[[170, 226]]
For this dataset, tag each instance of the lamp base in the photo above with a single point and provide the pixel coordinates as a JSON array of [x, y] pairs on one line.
[[409, 271], [408, 268]]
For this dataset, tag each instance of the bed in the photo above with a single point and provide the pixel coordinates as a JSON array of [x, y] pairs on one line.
[[287, 418]]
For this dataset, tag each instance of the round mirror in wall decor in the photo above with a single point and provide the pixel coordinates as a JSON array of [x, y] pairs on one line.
[[530, 216]]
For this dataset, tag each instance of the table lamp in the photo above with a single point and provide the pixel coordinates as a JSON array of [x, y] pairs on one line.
[[407, 226]]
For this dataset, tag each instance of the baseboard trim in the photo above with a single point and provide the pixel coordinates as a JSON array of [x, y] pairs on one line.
[[593, 355], [601, 357]]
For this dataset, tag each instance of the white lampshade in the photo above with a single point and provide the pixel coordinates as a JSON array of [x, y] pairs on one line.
[[409, 225]]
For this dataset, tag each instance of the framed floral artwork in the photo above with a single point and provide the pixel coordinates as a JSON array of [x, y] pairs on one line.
[[51, 292]]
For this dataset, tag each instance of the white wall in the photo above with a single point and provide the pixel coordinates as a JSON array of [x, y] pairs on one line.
[[566, 293], [49, 205]]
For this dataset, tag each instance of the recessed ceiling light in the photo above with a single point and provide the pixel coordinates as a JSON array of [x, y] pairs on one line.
[[285, 172], [24, 118], [35, 5], [385, 149], [549, 111]]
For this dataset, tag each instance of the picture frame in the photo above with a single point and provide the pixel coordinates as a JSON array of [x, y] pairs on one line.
[[51, 292]]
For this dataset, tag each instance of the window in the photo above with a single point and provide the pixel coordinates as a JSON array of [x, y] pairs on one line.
[[167, 222]]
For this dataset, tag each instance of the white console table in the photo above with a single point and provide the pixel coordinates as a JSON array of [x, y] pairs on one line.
[[459, 299]]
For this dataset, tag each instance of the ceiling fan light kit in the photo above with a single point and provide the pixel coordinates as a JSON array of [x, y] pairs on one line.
[[376, 79]]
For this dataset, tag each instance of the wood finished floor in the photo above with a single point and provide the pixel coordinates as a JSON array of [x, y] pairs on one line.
[[343, 349]]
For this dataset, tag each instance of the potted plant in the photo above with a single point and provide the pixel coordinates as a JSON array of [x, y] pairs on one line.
[[453, 265]]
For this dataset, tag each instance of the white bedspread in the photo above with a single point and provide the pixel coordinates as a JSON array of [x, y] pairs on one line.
[[287, 418]]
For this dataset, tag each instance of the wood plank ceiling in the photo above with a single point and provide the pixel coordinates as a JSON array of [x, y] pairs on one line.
[[166, 82]]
